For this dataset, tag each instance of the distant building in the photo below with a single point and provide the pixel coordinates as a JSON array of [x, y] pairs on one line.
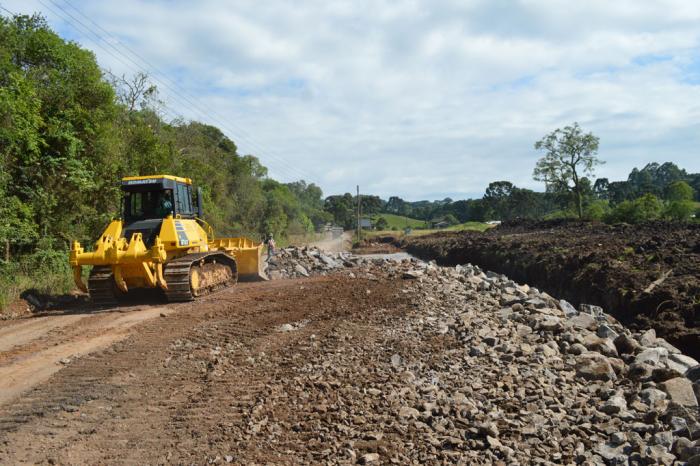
[[365, 224], [439, 223]]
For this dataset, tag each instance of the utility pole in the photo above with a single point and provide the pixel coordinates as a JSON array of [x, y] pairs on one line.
[[359, 216]]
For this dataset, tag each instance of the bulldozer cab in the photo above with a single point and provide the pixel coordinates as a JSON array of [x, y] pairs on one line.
[[157, 197]]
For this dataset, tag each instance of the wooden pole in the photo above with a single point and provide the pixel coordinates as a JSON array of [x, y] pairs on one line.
[[359, 225]]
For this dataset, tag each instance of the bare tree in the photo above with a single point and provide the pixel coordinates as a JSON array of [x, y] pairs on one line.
[[136, 92]]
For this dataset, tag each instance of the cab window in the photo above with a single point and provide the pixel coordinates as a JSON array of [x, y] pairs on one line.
[[184, 201], [148, 204]]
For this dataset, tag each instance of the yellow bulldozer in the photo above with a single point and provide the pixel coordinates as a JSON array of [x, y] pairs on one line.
[[162, 242]]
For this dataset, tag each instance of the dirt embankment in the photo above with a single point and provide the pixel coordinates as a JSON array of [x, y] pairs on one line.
[[648, 276]]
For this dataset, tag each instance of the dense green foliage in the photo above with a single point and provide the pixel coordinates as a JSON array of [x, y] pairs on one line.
[[68, 134]]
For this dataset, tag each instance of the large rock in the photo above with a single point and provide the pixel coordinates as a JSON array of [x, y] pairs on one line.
[[591, 309], [652, 395], [648, 338], [408, 412], [551, 324], [569, 310], [680, 390], [681, 362], [626, 344], [600, 345], [614, 405], [594, 366], [583, 321], [605, 331], [652, 356]]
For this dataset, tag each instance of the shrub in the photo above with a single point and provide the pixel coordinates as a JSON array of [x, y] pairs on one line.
[[381, 224], [596, 210], [451, 220], [45, 270], [680, 211], [679, 191], [561, 214], [645, 208]]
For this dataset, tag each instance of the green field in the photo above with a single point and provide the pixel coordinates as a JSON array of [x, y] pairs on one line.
[[467, 226], [399, 222]]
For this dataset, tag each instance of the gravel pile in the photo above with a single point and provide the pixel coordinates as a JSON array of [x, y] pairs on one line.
[[304, 262], [480, 370], [517, 376], [548, 382]]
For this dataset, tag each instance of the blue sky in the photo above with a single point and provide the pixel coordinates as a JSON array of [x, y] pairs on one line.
[[421, 99]]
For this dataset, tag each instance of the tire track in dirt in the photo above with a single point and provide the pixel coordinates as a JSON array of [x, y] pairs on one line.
[[32, 351], [162, 394]]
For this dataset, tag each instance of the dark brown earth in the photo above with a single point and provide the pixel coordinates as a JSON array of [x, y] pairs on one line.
[[648, 276]]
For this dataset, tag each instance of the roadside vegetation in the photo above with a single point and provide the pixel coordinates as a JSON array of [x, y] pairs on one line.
[[69, 131]]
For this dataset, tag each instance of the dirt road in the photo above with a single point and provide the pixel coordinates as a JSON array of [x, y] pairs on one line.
[[339, 244], [169, 383]]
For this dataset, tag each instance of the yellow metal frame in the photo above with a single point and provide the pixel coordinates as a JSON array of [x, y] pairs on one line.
[[135, 265], [157, 177]]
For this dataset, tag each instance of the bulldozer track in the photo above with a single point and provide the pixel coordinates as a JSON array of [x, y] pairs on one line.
[[101, 286], [178, 272]]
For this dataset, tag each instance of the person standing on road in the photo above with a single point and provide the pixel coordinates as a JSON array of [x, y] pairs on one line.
[[270, 247]]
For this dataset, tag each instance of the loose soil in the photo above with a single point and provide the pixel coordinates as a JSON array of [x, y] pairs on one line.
[[179, 383], [648, 276]]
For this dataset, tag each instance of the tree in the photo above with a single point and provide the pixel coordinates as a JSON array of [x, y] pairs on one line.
[[136, 92], [680, 211], [371, 204], [679, 191], [619, 191], [381, 224], [680, 201], [451, 219], [497, 196], [342, 208], [569, 155], [601, 188], [596, 210], [654, 178]]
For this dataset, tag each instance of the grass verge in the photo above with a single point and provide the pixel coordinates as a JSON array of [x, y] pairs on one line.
[[46, 271]]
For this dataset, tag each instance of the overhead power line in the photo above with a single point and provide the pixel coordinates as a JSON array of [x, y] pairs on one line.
[[185, 94], [179, 94], [6, 10]]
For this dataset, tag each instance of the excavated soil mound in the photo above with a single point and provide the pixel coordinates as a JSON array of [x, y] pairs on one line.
[[648, 276]]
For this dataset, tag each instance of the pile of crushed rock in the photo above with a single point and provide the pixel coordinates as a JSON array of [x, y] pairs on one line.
[[520, 378], [295, 262]]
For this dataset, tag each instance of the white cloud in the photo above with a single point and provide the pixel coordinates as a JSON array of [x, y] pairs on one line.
[[418, 98]]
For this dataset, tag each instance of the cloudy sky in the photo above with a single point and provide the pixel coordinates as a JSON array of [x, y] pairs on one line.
[[421, 99]]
